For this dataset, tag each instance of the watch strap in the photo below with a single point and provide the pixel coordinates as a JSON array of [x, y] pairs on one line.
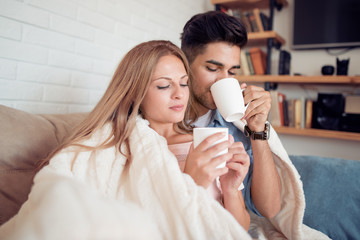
[[264, 135]]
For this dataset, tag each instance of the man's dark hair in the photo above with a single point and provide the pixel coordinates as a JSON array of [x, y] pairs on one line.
[[209, 27]]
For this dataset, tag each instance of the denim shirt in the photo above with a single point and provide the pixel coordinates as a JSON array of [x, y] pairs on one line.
[[218, 121]]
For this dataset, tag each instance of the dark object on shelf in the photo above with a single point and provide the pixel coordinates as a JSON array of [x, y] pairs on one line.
[[327, 70], [342, 66], [284, 62], [329, 108], [350, 123]]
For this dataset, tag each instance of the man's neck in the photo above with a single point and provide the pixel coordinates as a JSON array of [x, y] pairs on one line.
[[203, 110]]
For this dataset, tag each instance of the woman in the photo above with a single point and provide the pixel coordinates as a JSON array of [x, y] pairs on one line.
[[155, 85]]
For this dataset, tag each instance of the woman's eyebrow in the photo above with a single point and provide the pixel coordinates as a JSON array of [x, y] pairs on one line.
[[169, 79], [159, 78]]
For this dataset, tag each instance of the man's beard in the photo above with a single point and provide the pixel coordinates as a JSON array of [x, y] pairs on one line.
[[204, 100]]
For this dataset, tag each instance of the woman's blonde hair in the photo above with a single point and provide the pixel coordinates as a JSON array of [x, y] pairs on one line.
[[121, 101]]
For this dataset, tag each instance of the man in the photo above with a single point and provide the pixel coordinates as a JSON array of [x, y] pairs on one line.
[[212, 42]]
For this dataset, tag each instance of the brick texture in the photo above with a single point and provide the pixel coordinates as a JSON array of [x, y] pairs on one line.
[[58, 56]]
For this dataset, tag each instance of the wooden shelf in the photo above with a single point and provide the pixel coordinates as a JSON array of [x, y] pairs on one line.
[[300, 79], [328, 80], [247, 4], [318, 133], [260, 38]]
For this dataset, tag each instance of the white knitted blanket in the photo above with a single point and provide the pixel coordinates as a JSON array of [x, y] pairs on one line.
[[91, 196]]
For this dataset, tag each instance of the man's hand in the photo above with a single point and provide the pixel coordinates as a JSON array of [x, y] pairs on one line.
[[260, 103]]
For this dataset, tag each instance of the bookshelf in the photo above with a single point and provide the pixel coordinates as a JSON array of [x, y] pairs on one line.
[[311, 132], [300, 79], [268, 38], [248, 4], [271, 39], [260, 38], [326, 80]]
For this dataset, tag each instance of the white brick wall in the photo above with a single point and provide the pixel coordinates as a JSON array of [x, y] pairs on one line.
[[58, 56]]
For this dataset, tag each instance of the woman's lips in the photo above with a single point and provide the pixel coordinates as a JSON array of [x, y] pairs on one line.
[[177, 107]]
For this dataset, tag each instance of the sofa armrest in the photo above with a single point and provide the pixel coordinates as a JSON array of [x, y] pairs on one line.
[[26, 139], [332, 195]]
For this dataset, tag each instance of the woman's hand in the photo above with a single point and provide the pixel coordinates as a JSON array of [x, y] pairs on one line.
[[238, 167], [201, 163]]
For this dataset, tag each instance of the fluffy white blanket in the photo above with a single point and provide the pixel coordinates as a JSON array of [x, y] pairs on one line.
[[287, 224], [92, 196]]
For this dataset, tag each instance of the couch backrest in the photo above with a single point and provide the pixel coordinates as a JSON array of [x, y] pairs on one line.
[[24, 140]]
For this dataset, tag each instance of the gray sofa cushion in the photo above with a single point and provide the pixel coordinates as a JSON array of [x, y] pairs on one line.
[[26, 139], [332, 195]]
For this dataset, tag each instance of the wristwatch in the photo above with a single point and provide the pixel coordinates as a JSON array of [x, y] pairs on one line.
[[264, 135]]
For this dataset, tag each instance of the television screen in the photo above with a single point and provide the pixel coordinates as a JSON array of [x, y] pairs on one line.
[[326, 24]]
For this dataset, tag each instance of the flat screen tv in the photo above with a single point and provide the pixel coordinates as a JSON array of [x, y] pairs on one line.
[[322, 24]]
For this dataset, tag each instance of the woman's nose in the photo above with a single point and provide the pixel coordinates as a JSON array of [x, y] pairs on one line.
[[179, 92]]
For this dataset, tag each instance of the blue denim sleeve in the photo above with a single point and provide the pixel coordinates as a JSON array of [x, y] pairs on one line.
[[247, 190], [218, 121], [240, 137]]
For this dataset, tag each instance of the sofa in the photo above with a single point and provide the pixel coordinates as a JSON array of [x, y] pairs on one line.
[[331, 185]]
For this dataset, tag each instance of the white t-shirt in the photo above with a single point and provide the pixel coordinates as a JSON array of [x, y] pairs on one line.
[[204, 120]]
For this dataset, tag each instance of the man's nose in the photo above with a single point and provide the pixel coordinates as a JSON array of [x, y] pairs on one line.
[[223, 74]]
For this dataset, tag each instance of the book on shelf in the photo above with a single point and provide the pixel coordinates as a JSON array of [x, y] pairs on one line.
[[284, 63], [274, 114], [265, 21], [298, 113], [291, 112], [286, 112], [251, 17], [244, 64], [251, 67], [254, 20], [281, 99], [258, 21], [258, 59], [245, 20], [279, 112], [308, 113]]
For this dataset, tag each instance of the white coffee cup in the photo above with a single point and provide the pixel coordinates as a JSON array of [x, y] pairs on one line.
[[229, 99], [201, 133]]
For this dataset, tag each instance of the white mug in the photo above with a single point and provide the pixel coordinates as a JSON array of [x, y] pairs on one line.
[[229, 99], [201, 133]]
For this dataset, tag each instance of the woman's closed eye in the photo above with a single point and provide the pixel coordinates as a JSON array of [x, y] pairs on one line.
[[163, 87]]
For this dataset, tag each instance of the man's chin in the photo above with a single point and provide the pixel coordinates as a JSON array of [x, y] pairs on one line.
[[210, 106]]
